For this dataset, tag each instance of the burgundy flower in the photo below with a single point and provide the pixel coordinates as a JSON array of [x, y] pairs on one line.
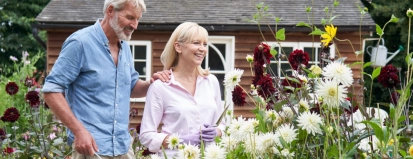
[[146, 152], [10, 115], [3, 134], [238, 96], [138, 128], [292, 83], [266, 87], [12, 88], [33, 99], [8, 150], [394, 97], [297, 58], [388, 76], [29, 82], [262, 56]]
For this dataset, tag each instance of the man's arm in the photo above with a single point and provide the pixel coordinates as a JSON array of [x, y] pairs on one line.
[[85, 144], [140, 89]]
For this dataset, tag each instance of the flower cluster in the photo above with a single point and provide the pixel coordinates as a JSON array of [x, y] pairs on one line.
[[388, 77], [298, 58]]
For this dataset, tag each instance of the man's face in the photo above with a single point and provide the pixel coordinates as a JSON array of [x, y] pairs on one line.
[[125, 21]]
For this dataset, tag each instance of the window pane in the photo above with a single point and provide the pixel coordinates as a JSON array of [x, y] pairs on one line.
[[143, 78], [140, 52], [215, 62], [312, 52], [140, 67], [287, 51], [273, 69], [286, 69], [221, 85]]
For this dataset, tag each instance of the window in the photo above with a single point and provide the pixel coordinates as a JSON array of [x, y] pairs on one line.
[[220, 58], [281, 67], [142, 57], [142, 61]]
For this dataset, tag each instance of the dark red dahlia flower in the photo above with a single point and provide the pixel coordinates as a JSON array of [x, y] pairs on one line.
[[10, 115], [292, 82], [266, 87], [262, 54], [298, 58], [394, 97], [388, 76], [30, 81], [3, 134], [12, 88], [33, 99], [238, 96], [316, 108], [8, 150]]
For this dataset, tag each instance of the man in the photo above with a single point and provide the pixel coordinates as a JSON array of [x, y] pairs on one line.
[[95, 71]]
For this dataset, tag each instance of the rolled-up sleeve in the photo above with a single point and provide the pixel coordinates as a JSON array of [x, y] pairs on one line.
[[151, 119], [66, 68]]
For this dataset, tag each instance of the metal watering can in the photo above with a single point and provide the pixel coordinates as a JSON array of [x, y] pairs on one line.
[[379, 54]]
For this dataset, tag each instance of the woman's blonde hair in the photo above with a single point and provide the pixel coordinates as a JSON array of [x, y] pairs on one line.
[[185, 32]]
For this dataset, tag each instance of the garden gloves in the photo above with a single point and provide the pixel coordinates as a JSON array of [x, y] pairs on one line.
[[208, 133]]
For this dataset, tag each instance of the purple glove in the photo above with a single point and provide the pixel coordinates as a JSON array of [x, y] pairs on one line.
[[208, 133], [192, 138]]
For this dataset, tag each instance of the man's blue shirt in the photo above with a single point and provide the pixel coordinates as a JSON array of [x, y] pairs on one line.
[[97, 91]]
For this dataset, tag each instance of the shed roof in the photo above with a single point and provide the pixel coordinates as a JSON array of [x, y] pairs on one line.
[[210, 12]]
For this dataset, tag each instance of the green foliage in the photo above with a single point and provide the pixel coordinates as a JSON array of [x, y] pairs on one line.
[[395, 35], [16, 17]]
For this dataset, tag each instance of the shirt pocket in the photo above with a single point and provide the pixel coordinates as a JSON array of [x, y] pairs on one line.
[[127, 73]]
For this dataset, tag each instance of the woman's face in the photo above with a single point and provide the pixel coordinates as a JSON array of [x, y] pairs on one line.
[[192, 53]]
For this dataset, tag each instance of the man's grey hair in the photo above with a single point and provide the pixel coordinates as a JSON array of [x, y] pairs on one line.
[[119, 4]]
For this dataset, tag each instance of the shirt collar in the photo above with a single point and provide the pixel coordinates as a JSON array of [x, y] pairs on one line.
[[174, 82], [101, 34]]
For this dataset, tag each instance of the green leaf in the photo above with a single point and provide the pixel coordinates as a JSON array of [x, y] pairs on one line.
[[376, 72], [273, 52], [277, 19], [379, 30], [356, 63], [266, 8], [316, 31], [404, 139], [280, 35], [367, 64], [394, 19], [332, 18], [378, 131], [303, 24], [401, 119]]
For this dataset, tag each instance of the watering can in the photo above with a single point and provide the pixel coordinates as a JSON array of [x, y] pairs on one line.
[[379, 54]]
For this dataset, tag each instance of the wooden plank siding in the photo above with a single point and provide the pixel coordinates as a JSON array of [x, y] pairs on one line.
[[245, 42]]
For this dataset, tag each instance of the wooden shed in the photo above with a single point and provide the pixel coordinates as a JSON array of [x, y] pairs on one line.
[[232, 36]]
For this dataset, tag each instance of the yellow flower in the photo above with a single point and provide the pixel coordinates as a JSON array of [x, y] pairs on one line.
[[329, 34], [316, 70], [391, 142], [411, 150]]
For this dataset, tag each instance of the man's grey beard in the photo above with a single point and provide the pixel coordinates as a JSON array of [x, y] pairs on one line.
[[119, 31]]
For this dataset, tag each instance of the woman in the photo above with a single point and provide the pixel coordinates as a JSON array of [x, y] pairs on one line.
[[190, 103]]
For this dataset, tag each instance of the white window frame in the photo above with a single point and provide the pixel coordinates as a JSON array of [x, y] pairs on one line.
[[297, 45], [148, 61], [229, 41]]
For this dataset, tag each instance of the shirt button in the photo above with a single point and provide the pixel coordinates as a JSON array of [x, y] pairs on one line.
[[115, 121], [116, 104], [113, 136]]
